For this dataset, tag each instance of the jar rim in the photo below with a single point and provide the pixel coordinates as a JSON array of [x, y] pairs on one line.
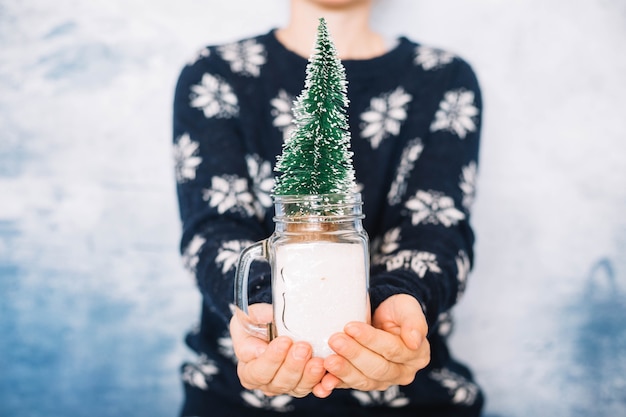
[[331, 198], [318, 207]]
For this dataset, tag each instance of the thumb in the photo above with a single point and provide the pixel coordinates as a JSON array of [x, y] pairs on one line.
[[413, 327]]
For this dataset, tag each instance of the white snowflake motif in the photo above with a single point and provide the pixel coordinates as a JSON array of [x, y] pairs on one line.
[[245, 57], [431, 58], [186, 160], [215, 97], [456, 113], [200, 54], [262, 183], [282, 111], [461, 390], [468, 184], [190, 254], [257, 399], [385, 245], [445, 323], [462, 271], [226, 349], [390, 241], [229, 193], [418, 261], [384, 116], [410, 154], [433, 207], [391, 397], [228, 253], [199, 374]]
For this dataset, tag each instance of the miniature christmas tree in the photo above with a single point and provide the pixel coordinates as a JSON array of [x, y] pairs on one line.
[[316, 158]]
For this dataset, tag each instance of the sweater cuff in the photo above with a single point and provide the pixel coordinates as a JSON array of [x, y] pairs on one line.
[[384, 286]]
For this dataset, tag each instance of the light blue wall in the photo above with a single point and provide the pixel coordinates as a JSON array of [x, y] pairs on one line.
[[94, 302]]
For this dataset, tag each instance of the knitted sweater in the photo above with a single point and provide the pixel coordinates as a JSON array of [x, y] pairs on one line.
[[415, 117]]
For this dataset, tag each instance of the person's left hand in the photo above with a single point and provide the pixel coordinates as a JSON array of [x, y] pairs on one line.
[[389, 352], [277, 367]]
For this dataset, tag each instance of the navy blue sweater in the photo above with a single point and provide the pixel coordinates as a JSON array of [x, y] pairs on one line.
[[415, 116]]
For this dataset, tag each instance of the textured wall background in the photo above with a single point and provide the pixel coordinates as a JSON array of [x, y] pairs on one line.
[[94, 302]]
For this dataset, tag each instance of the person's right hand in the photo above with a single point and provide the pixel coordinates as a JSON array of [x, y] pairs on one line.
[[278, 367]]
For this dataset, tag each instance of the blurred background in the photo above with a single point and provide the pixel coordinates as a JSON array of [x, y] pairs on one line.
[[94, 301]]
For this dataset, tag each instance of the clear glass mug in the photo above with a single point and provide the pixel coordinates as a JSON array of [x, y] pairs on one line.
[[319, 259]]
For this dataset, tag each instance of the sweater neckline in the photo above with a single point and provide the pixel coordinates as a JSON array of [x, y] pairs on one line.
[[384, 62]]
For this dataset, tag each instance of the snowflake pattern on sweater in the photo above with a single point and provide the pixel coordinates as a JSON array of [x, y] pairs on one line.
[[385, 116], [415, 118], [185, 158]]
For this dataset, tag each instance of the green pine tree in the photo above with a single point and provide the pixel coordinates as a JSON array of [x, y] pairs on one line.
[[316, 158]]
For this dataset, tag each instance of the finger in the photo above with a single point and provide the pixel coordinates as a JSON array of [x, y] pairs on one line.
[[413, 326], [391, 348], [250, 349], [402, 315], [327, 385], [411, 337], [246, 347], [261, 313], [385, 344], [399, 362], [343, 372], [313, 374], [366, 370], [261, 371], [292, 369]]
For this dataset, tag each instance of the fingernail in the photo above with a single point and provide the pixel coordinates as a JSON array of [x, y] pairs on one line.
[[353, 330], [338, 343], [331, 364], [328, 385], [281, 345], [300, 352]]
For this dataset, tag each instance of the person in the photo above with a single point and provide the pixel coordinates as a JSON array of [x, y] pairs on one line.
[[415, 119]]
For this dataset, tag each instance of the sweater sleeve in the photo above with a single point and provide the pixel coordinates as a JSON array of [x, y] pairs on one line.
[[427, 249], [220, 212]]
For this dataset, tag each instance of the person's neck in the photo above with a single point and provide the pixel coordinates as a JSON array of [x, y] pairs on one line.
[[348, 26]]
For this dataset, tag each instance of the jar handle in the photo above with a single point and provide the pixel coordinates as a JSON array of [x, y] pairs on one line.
[[258, 250]]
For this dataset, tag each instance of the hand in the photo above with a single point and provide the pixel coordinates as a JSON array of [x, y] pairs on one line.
[[389, 352], [278, 367]]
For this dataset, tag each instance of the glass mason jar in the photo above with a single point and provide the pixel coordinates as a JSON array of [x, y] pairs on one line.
[[319, 262]]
